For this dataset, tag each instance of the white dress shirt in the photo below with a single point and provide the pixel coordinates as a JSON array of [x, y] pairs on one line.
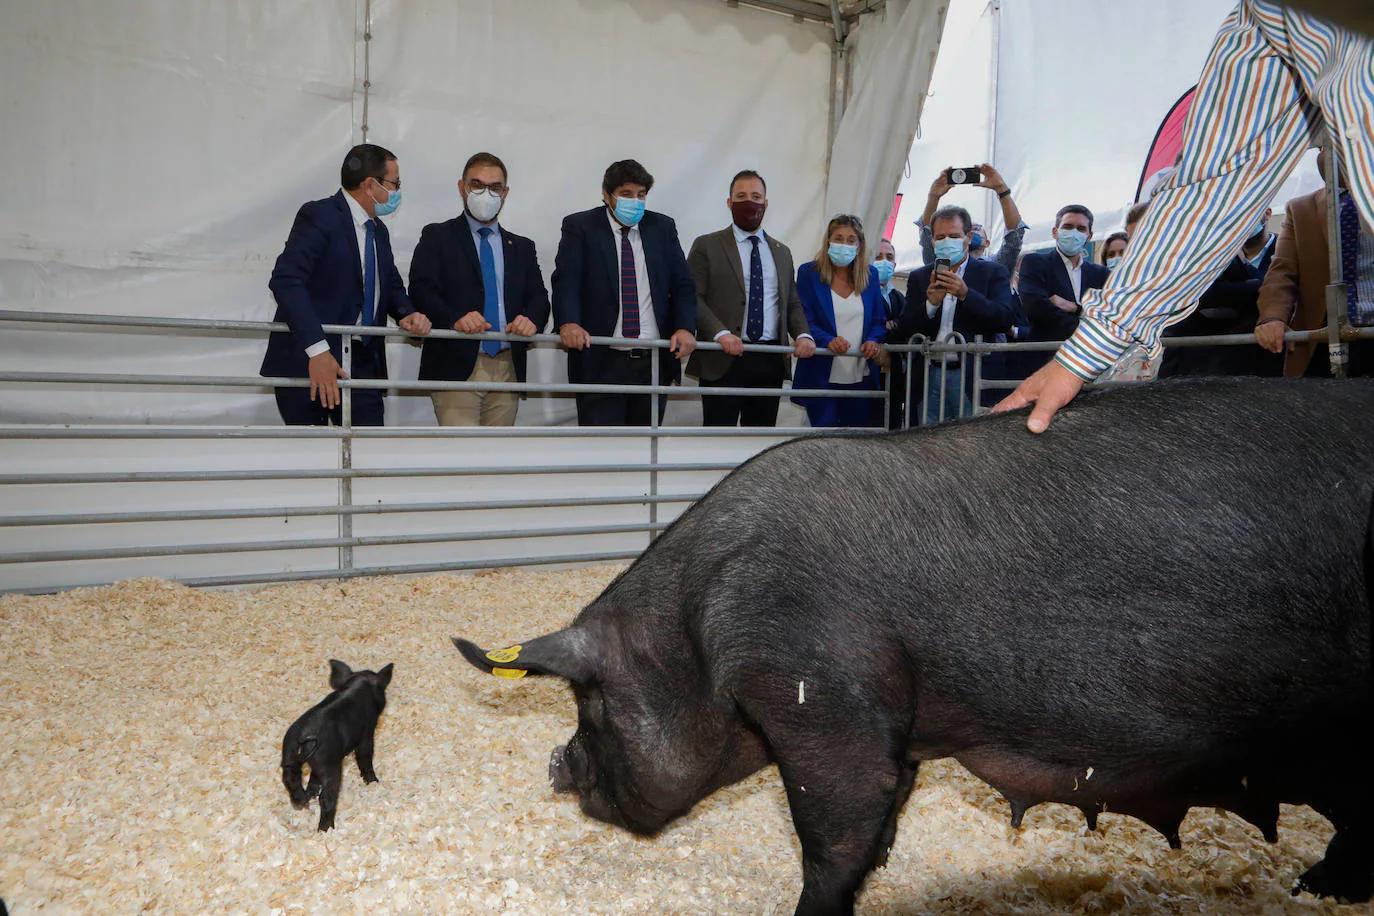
[[648, 326], [1075, 274], [950, 305], [359, 218]]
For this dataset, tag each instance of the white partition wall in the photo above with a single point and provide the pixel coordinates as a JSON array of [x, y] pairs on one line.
[[159, 151]]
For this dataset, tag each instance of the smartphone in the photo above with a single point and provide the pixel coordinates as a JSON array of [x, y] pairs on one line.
[[969, 175], [942, 264]]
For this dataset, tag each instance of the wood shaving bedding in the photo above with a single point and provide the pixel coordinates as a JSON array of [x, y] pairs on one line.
[[141, 729]]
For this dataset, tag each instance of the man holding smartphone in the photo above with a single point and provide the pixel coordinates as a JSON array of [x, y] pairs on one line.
[[981, 176], [958, 295]]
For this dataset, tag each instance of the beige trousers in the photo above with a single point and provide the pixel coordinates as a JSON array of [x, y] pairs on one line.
[[481, 408]]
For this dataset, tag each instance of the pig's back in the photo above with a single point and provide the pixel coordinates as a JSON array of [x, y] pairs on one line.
[[1172, 557]]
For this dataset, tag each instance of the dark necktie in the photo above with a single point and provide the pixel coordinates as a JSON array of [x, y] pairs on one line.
[[629, 287], [753, 325], [491, 301], [370, 274], [1350, 254]]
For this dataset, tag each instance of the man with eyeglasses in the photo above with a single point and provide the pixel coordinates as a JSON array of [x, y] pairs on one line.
[[337, 268], [473, 275]]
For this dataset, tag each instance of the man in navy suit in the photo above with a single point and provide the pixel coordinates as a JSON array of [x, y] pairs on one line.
[[472, 275], [1052, 282], [620, 272], [337, 268], [971, 297]]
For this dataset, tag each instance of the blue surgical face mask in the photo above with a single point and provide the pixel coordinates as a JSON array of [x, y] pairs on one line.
[[842, 255], [885, 270], [629, 210], [1071, 241], [393, 200], [951, 250], [1113, 262], [978, 241]]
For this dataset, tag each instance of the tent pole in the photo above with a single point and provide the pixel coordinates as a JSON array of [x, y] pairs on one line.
[[367, 60], [994, 210], [839, 82], [1337, 314]]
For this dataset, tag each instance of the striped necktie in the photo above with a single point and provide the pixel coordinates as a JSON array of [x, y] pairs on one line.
[[629, 287], [1350, 255]]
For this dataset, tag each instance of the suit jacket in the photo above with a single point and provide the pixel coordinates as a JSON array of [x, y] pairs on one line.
[[1294, 290], [318, 280], [1043, 275], [586, 286], [446, 284], [986, 310], [820, 317], [723, 293]]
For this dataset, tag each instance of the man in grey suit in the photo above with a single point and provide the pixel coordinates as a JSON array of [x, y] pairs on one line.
[[746, 293]]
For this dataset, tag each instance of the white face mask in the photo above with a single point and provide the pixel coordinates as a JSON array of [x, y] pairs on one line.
[[484, 205]]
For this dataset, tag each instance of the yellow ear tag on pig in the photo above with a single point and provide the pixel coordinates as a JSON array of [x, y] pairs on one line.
[[509, 672], [501, 656]]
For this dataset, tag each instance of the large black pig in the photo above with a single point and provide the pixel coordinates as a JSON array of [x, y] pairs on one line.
[[1158, 604]]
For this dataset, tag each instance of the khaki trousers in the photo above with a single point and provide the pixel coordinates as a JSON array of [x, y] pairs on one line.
[[481, 408]]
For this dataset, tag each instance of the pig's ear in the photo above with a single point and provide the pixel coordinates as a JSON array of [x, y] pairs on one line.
[[385, 674], [339, 673], [567, 654]]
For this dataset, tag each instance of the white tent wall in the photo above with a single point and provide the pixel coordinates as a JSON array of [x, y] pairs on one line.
[[161, 150], [895, 56], [956, 122]]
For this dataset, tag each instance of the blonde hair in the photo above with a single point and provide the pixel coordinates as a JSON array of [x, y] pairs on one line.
[[858, 267]]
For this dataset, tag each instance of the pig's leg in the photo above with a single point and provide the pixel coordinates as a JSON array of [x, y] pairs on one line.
[[1347, 871], [844, 792], [329, 793], [904, 787], [312, 788], [364, 758], [291, 778]]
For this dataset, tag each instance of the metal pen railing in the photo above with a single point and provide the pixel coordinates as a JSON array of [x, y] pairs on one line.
[[345, 509], [978, 348]]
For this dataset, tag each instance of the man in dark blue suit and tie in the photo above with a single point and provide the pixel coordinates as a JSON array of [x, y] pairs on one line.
[[471, 274], [620, 272], [337, 268], [1052, 282], [970, 297]]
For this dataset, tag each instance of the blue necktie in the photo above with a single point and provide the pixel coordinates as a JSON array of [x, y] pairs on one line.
[[370, 274], [753, 325], [1350, 255], [491, 302]]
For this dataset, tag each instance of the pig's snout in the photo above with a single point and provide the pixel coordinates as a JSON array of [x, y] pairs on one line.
[[560, 774]]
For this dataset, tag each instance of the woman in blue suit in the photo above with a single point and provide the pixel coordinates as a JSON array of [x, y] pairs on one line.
[[842, 298]]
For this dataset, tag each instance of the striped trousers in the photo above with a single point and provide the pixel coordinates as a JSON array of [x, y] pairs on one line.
[[1277, 81]]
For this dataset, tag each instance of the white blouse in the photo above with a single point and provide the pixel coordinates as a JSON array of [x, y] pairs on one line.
[[849, 324]]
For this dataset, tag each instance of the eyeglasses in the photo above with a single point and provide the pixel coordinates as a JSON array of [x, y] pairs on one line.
[[495, 187], [385, 181]]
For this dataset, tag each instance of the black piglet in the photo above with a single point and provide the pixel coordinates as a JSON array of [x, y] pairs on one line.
[[340, 724]]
